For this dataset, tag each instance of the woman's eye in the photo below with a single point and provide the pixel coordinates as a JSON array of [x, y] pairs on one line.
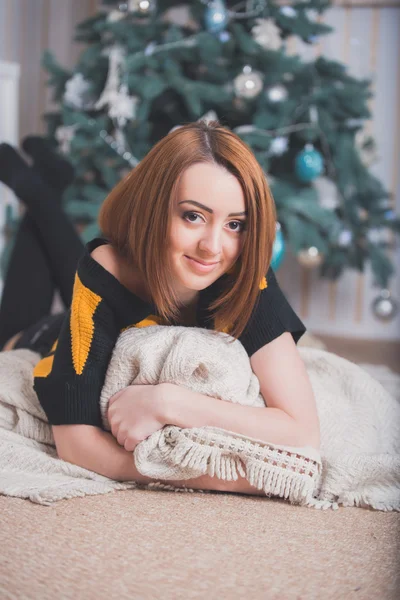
[[191, 216], [238, 226]]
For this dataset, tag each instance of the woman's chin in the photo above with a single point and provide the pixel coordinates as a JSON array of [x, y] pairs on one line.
[[191, 281]]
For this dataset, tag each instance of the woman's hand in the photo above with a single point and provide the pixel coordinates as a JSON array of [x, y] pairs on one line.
[[134, 413]]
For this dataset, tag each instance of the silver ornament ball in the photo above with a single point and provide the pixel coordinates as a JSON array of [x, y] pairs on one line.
[[143, 7], [248, 84], [384, 307]]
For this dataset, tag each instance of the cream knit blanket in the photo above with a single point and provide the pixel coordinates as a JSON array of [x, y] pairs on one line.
[[359, 462]]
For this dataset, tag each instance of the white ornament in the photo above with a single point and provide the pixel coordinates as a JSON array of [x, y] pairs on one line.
[[115, 61], [144, 7], [288, 11], [77, 92], [277, 93], [121, 106], [248, 84], [64, 135], [327, 193], [181, 16], [267, 34], [115, 15], [279, 146], [211, 115]]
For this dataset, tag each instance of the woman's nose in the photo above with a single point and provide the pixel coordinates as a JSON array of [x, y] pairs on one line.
[[211, 242]]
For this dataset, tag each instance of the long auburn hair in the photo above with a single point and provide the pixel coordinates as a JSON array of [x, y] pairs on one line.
[[135, 218]]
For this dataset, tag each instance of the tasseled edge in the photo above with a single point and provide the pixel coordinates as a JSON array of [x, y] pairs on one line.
[[283, 473], [203, 459]]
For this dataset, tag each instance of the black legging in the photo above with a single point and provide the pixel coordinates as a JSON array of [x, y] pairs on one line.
[[44, 258]]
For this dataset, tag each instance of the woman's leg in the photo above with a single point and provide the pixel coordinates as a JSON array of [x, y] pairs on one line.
[[58, 237], [53, 169], [28, 285], [31, 276]]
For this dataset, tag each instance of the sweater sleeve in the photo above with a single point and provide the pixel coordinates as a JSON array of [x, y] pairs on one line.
[[69, 380], [272, 316]]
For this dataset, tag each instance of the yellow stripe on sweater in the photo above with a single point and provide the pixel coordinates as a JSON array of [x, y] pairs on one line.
[[149, 321], [84, 304], [43, 367]]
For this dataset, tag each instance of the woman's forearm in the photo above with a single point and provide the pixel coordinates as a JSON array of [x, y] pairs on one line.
[[185, 408], [125, 469], [100, 452]]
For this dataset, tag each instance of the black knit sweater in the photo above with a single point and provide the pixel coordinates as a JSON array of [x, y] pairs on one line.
[[68, 381]]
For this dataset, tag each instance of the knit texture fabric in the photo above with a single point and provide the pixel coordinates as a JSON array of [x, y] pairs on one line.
[[359, 420], [359, 462], [206, 362]]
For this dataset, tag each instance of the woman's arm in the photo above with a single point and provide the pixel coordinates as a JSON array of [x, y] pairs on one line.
[[97, 450], [286, 387], [290, 418]]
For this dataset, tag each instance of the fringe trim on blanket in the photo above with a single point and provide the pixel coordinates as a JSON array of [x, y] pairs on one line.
[[278, 471]]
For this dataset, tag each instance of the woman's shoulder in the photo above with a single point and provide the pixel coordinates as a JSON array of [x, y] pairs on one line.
[[107, 256]]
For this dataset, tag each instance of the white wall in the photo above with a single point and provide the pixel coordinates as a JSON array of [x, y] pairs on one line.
[[366, 39]]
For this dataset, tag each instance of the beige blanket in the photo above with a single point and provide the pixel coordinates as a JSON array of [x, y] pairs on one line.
[[359, 462]]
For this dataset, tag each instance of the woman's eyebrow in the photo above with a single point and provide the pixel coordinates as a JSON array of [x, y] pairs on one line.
[[237, 214]]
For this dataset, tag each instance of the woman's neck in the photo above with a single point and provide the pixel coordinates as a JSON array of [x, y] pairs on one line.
[[188, 313]]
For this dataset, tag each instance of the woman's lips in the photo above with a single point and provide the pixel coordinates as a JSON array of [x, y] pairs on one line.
[[201, 267]]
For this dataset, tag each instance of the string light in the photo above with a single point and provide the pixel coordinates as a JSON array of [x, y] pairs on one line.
[[114, 145]]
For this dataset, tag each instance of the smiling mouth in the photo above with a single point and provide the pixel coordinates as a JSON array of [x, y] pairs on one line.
[[201, 262], [200, 266]]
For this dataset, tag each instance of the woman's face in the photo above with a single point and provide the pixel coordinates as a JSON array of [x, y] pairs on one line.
[[207, 228]]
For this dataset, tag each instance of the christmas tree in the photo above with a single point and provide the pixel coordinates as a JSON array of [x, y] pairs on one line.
[[152, 65]]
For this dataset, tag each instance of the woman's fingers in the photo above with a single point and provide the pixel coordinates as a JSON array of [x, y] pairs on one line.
[[115, 397], [130, 444]]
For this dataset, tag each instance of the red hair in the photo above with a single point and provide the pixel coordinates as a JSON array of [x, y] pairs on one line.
[[135, 217]]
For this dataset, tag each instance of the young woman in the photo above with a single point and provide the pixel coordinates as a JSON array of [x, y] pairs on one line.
[[188, 241]]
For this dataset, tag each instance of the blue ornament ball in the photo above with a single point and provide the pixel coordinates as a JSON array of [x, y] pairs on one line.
[[389, 215], [224, 36], [309, 164], [279, 250], [216, 16]]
